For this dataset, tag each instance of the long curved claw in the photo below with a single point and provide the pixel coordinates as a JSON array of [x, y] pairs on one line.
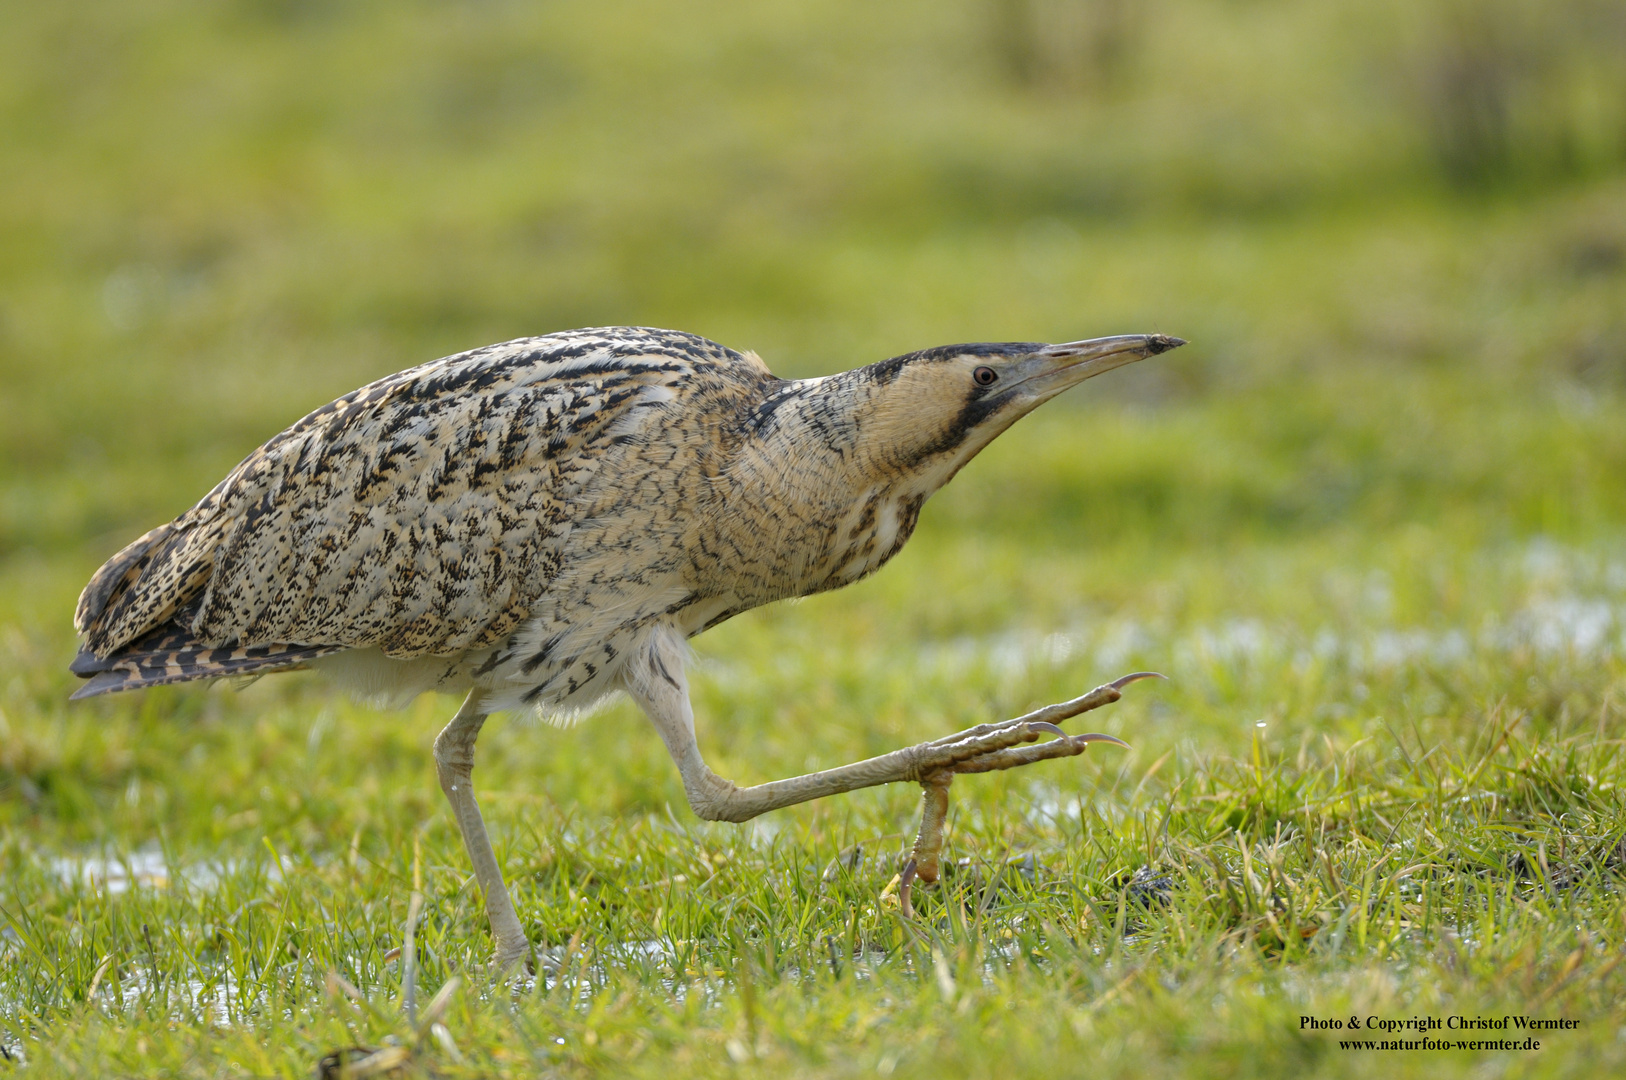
[[906, 878], [1096, 736], [1137, 676], [1044, 725]]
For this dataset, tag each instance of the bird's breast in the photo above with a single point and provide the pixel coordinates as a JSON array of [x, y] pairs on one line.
[[874, 529], [776, 548]]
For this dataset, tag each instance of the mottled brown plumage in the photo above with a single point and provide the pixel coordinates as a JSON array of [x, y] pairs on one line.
[[541, 522], [427, 514]]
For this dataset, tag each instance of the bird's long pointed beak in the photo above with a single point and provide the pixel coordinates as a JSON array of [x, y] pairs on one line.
[[1059, 366]]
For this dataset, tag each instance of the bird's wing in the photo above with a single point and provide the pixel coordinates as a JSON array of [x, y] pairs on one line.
[[423, 513]]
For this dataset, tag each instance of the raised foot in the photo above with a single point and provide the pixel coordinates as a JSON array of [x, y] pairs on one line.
[[988, 748]]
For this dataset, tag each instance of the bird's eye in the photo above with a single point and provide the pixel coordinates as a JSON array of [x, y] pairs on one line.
[[985, 376]]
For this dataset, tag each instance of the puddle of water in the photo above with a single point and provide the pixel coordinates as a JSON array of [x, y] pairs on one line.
[[145, 867], [204, 1000]]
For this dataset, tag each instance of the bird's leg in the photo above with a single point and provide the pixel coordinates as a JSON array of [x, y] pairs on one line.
[[658, 684], [454, 764]]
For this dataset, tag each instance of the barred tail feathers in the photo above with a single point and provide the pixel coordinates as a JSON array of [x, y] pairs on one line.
[[171, 654]]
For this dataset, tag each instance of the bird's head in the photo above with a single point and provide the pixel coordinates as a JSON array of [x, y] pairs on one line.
[[844, 462], [928, 413]]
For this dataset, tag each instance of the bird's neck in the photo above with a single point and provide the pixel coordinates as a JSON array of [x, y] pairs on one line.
[[811, 498]]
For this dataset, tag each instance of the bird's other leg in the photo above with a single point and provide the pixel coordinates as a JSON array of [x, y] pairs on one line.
[[656, 680], [924, 860], [454, 764]]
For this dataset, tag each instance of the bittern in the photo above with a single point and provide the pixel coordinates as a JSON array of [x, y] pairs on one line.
[[544, 522]]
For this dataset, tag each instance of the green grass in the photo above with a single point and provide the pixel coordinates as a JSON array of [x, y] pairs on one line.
[[1377, 507]]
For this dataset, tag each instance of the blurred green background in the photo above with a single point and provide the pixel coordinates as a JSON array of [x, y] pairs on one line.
[[1394, 232], [1379, 501]]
